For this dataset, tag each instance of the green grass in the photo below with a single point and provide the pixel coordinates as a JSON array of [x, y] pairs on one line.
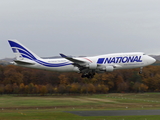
[[60, 115], [11, 101], [53, 107]]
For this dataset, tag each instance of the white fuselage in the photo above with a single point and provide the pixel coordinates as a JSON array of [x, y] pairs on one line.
[[118, 60]]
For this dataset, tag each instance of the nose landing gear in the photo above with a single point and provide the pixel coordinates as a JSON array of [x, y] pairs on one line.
[[141, 70]]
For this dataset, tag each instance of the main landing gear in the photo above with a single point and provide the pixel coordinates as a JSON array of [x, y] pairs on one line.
[[88, 75]]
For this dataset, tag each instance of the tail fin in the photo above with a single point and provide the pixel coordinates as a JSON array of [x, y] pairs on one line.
[[21, 52]]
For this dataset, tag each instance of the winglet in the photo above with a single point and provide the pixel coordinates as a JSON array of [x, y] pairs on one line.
[[62, 55]]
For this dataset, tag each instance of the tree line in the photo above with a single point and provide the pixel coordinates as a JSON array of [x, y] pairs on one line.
[[19, 80]]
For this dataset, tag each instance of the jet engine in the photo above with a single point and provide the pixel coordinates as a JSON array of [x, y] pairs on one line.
[[109, 68], [92, 66]]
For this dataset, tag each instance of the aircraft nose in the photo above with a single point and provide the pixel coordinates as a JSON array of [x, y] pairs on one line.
[[151, 60]]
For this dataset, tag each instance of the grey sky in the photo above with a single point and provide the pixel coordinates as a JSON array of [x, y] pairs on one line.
[[80, 27]]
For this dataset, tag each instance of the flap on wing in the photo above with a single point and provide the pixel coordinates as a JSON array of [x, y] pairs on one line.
[[23, 62], [74, 60]]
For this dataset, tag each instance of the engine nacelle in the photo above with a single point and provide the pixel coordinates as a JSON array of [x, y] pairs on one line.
[[92, 66], [76, 69], [109, 68]]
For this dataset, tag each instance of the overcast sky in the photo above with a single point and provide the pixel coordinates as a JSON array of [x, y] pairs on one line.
[[80, 27]]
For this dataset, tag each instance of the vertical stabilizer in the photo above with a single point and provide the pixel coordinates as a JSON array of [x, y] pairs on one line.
[[21, 52]]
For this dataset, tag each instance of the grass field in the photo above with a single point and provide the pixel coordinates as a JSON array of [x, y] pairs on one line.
[[52, 107]]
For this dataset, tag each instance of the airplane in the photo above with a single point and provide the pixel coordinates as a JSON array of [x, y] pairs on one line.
[[87, 66]]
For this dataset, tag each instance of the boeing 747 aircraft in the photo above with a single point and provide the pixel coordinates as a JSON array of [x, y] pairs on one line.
[[87, 66]]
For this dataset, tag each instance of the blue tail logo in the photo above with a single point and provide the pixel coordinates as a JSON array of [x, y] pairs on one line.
[[22, 52]]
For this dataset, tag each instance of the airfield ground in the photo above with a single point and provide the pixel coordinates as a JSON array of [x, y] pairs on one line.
[[64, 107]]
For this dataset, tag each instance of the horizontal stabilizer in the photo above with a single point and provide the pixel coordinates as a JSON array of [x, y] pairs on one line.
[[23, 62]]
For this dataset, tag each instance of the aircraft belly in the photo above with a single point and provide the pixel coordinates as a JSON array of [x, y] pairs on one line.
[[68, 68], [132, 65]]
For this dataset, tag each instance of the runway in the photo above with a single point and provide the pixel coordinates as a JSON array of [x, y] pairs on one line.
[[115, 112]]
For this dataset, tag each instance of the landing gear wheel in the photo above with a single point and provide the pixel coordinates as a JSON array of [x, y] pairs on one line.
[[141, 70], [88, 75]]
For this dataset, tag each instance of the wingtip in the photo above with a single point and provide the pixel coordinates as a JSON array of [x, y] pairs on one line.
[[62, 55]]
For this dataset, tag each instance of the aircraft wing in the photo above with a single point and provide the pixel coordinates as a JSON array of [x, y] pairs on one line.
[[74, 60]]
